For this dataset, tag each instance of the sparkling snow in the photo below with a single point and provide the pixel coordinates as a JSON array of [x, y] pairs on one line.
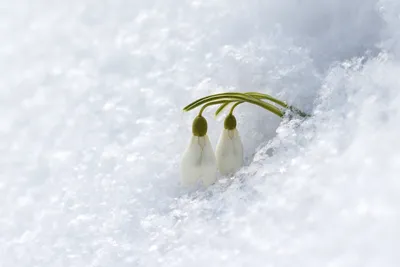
[[92, 132]]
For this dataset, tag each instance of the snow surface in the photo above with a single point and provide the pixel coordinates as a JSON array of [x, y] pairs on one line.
[[92, 133]]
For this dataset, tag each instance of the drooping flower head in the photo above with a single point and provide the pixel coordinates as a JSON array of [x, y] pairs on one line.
[[198, 162], [229, 152]]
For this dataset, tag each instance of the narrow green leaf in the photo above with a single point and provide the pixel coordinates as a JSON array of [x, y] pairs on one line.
[[206, 99], [262, 104], [216, 102], [277, 101], [235, 96], [268, 97], [221, 108]]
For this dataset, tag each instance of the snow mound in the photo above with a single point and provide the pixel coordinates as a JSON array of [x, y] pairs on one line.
[[92, 131]]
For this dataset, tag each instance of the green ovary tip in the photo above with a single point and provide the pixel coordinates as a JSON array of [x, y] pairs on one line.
[[230, 122], [199, 126]]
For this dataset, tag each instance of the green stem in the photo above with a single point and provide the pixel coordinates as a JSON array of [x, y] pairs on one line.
[[281, 103], [234, 106], [218, 102], [203, 100], [235, 96], [268, 97], [221, 108]]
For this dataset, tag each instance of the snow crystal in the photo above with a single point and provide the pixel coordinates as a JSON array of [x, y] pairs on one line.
[[92, 132]]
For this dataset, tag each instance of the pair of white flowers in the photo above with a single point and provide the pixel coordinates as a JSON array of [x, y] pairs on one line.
[[200, 164]]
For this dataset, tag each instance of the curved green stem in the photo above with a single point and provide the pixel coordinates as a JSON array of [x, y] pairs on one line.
[[206, 99], [253, 94], [211, 104], [221, 108], [234, 106], [281, 103], [232, 97], [251, 97], [268, 97]]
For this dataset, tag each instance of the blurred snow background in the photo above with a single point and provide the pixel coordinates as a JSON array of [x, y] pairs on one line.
[[91, 133]]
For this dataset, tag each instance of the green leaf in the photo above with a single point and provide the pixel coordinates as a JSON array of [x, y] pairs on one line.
[[232, 97], [203, 100], [221, 108], [217, 102], [277, 101]]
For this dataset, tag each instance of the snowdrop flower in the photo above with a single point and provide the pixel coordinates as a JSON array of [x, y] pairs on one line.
[[229, 152], [198, 162]]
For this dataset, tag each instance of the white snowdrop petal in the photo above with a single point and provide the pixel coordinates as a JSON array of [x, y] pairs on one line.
[[209, 164], [198, 162], [229, 152]]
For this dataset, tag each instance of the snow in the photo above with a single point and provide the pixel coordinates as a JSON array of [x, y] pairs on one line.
[[92, 132]]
